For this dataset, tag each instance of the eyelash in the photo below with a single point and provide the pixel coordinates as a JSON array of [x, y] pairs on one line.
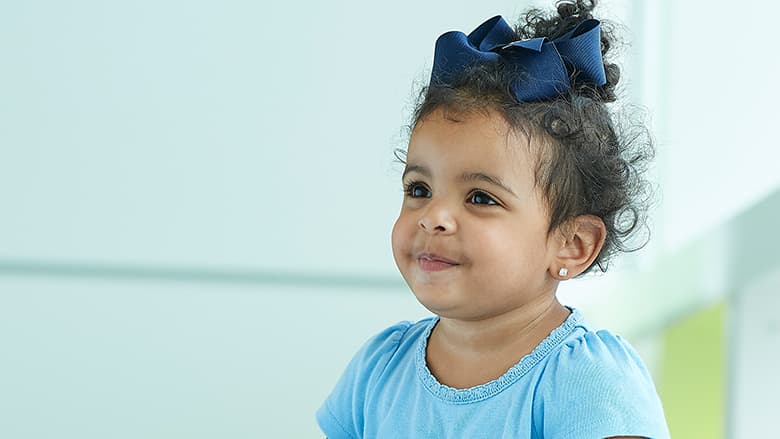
[[412, 185]]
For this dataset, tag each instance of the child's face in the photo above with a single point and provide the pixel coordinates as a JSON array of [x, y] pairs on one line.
[[469, 248]]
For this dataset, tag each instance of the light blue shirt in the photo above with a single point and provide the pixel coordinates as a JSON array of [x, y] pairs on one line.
[[578, 383]]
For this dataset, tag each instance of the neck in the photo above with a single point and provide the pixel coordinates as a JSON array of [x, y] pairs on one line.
[[525, 326]]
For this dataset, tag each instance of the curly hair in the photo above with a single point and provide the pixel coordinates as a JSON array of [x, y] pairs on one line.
[[592, 159]]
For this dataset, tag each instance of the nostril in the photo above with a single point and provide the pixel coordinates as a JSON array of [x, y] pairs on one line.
[[436, 223]]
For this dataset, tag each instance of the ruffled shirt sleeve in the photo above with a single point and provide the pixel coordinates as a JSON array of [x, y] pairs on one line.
[[597, 387], [342, 413]]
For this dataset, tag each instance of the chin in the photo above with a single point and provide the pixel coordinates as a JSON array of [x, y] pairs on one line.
[[435, 300]]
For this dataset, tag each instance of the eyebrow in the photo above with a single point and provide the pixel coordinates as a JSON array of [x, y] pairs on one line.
[[466, 176]]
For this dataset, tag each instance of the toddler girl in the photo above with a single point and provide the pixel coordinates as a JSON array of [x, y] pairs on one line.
[[515, 179]]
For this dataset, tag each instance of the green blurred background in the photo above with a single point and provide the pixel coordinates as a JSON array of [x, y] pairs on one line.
[[197, 200]]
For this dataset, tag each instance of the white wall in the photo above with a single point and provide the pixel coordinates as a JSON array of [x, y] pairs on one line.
[[753, 342], [714, 99], [107, 359]]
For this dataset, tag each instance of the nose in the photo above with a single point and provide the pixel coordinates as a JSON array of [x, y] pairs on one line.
[[437, 219]]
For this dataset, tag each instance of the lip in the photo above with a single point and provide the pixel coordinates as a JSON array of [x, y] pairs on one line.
[[435, 257], [431, 262]]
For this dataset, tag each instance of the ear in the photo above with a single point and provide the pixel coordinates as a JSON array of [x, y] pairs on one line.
[[579, 244]]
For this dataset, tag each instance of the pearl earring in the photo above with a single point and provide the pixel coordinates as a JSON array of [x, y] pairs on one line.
[[563, 272]]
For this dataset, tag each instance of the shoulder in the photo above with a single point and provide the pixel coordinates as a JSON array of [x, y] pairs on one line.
[[372, 358], [370, 361], [598, 365], [600, 353], [341, 415], [596, 385]]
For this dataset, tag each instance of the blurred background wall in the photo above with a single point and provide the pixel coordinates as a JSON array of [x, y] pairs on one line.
[[197, 200]]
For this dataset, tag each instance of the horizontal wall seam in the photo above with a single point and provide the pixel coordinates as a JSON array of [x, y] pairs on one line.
[[47, 269]]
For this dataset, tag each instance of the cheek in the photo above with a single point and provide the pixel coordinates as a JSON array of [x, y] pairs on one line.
[[508, 249], [498, 248], [400, 238]]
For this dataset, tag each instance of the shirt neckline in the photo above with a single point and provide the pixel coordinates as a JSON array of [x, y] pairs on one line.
[[491, 388]]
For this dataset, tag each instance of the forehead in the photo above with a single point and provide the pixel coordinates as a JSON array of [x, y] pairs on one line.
[[471, 142]]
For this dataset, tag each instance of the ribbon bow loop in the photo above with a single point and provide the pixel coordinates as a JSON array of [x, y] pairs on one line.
[[491, 34], [538, 66]]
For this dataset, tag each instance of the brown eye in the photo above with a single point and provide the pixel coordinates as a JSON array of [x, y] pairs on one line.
[[417, 190], [478, 197]]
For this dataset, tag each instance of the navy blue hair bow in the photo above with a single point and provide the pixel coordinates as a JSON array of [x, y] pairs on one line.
[[538, 65]]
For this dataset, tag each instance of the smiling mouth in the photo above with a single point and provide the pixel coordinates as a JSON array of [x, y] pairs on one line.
[[432, 263]]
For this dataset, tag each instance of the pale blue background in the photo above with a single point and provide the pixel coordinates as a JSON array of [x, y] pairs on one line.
[[197, 196]]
